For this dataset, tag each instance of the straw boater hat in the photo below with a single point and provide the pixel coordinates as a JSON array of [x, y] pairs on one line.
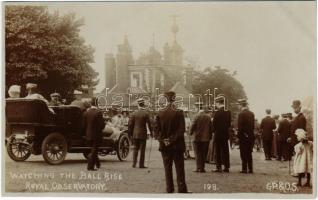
[[242, 101], [220, 98], [77, 92]]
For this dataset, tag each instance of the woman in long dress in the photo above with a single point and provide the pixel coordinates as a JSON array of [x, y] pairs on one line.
[[211, 157], [187, 137]]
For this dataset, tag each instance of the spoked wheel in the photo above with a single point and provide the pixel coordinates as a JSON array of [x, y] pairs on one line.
[[123, 147], [54, 148], [18, 151]]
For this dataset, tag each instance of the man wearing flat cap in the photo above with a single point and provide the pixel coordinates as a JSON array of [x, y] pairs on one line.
[[267, 128], [137, 128], [221, 125], [299, 122], [55, 99], [246, 137]]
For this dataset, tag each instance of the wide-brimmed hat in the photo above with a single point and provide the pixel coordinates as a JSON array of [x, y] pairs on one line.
[[15, 88], [31, 86], [296, 104]]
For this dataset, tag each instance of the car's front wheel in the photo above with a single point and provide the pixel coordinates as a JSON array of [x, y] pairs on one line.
[[122, 149], [54, 148]]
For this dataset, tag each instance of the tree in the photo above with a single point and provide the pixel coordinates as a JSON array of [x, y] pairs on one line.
[[226, 83], [47, 49]]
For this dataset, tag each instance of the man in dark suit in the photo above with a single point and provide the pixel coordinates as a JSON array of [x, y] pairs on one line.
[[267, 127], [137, 128], [93, 126], [170, 133], [283, 134], [201, 130], [246, 136], [299, 122], [221, 125]]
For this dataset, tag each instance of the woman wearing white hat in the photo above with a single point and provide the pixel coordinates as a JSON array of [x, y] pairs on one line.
[[14, 91]]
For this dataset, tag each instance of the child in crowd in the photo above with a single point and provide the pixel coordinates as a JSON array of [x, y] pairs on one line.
[[303, 157]]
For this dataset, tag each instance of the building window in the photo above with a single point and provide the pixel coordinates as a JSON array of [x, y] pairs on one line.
[[136, 79]]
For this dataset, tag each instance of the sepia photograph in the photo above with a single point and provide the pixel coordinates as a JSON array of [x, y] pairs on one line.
[[207, 99]]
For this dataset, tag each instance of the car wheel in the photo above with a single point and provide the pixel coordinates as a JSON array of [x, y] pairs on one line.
[[18, 151], [123, 146], [54, 148]]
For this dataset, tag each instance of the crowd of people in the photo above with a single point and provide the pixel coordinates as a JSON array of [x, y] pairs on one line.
[[207, 133]]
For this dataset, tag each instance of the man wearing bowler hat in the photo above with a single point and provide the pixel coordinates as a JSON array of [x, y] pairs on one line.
[[267, 128], [283, 134], [246, 136], [137, 128], [221, 125], [299, 122], [170, 131]]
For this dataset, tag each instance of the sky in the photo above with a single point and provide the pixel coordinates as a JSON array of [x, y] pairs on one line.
[[271, 45]]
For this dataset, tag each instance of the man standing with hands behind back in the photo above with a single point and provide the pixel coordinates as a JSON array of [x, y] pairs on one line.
[[170, 131], [201, 130], [93, 126], [246, 136]]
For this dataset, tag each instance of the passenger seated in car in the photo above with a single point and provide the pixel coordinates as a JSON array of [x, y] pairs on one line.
[[32, 94], [55, 99], [14, 91], [78, 101]]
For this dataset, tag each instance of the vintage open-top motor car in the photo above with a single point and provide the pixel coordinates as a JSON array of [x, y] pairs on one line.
[[31, 128]]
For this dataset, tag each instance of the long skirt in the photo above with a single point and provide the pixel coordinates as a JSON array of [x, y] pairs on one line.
[[188, 142], [211, 157], [274, 145]]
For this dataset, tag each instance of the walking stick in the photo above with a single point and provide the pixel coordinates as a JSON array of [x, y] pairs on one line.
[[148, 161], [289, 166]]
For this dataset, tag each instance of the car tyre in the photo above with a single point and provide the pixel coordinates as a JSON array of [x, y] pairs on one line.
[[54, 148], [123, 146], [18, 151]]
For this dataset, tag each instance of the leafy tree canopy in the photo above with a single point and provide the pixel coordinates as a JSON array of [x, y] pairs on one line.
[[46, 49], [222, 79]]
